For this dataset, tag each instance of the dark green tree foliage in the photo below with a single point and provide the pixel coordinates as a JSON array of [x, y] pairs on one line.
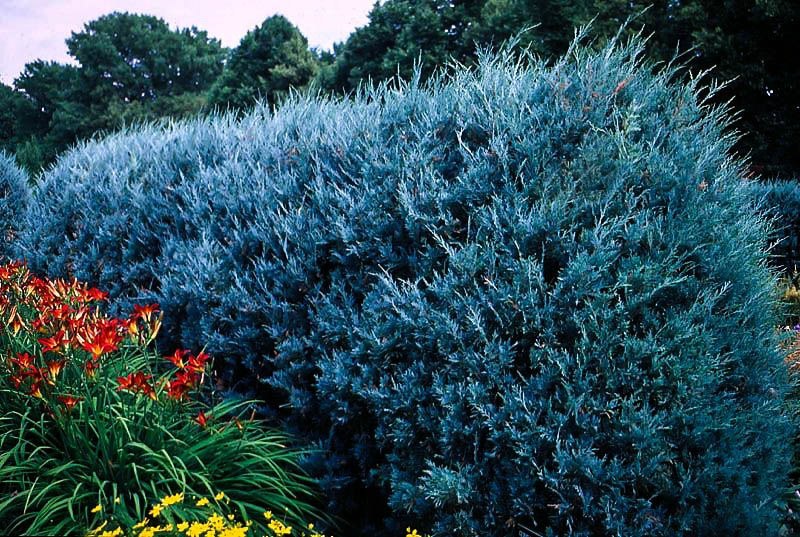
[[9, 101], [741, 39], [132, 68], [401, 34], [520, 300], [138, 57], [47, 123], [14, 198], [269, 61], [137, 60]]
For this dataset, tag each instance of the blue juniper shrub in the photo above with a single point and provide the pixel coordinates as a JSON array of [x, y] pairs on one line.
[[14, 196], [524, 299], [780, 200]]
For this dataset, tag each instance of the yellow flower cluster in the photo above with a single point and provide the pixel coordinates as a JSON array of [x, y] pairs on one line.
[[215, 525]]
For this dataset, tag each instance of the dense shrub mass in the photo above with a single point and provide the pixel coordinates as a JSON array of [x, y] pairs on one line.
[[14, 197], [781, 201], [520, 299]]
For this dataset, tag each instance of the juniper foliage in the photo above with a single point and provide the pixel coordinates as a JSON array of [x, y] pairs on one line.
[[14, 197], [780, 200], [519, 299]]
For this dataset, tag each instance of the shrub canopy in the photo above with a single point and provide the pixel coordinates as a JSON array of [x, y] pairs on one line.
[[14, 197], [519, 298], [780, 201]]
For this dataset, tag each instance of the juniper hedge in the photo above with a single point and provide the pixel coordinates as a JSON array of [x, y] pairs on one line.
[[14, 196], [522, 299], [780, 200]]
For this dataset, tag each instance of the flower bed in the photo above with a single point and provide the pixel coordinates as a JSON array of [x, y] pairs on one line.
[[95, 425]]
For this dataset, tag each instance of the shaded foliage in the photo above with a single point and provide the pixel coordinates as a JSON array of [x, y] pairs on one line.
[[780, 200], [741, 39], [14, 199], [269, 61], [131, 68]]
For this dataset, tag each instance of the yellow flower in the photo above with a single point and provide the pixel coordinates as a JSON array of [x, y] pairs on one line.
[[172, 500], [115, 533], [279, 528], [99, 528], [411, 533], [268, 514], [238, 531], [201, 502], [182, 526], [117, 500], [216, 521], [196, 529], [97, 508], [147, 532], [219, 496], [156, 510], [231, 517], [141, 524]]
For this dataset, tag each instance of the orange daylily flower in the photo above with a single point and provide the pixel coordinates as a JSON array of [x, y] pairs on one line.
[[69, 401], [177, 358], [201, 419], [54, 367], [136, 382], [144, 312], [36, 389]]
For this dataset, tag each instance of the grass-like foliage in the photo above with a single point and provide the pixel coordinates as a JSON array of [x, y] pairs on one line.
[[94, 425], [14, 196], [527, 298]]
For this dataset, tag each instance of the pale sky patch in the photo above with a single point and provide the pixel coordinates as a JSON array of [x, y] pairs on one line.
[[36, 29]]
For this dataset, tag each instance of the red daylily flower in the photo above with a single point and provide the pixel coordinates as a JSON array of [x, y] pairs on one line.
[[198, 363], [36, 389], [55, 343], [93, 295], [201, 419], [101, 339], [69, 401], [137, 382], [23, 361], [184, 382], [90, 367], [144, 312], [54, 367], [177, 358]]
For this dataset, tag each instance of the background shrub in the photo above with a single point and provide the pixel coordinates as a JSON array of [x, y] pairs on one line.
[[520, 298], [781, 201], [14, 197]]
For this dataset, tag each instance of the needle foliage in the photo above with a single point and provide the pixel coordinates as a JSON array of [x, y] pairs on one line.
[[524, 298]]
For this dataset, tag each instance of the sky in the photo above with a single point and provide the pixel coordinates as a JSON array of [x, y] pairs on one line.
[[36, 29]]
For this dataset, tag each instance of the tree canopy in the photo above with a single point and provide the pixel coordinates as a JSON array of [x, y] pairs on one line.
[[740, 39], [269, 60], [132, 68]]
